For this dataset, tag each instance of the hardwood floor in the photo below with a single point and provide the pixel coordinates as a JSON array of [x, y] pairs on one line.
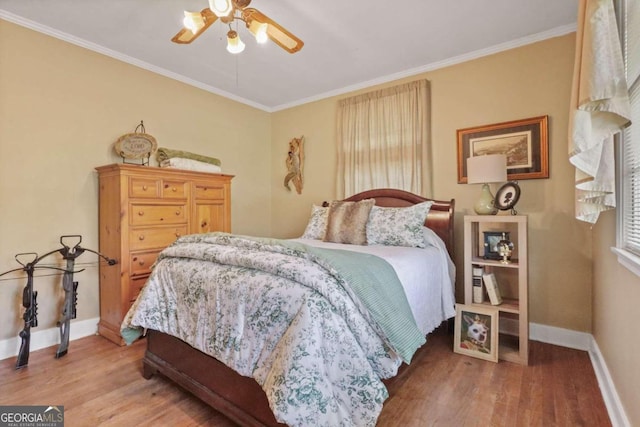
[[100, 384]]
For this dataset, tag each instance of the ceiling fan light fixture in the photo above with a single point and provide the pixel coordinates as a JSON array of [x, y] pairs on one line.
[[221, 7], [259, 30], [234, 44], [193, 21], [261, 26]]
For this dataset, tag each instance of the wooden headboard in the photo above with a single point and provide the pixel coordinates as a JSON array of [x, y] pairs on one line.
[[439, 219]]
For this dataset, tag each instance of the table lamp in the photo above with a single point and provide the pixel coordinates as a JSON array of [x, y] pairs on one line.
[[486, 170]]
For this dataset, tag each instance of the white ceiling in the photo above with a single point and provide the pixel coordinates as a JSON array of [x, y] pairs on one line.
[[348, 44]]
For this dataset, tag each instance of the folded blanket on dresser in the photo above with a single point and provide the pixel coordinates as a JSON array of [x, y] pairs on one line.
[[316, 334], [190, 164], [167, 153]]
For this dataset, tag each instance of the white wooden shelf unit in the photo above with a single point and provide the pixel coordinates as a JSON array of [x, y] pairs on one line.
[[513, 313]]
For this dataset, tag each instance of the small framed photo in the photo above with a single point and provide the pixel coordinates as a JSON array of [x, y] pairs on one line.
[[491, 239], [507, 196], [476, 332]]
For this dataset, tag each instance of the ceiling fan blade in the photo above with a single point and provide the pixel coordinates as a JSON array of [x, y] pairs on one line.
[[275, 31], [186, 36]]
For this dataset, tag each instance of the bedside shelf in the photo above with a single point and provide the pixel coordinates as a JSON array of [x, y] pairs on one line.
[[509, 305], [490, 262], [512, 279]]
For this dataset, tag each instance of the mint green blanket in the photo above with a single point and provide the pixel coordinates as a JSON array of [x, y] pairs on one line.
[[166, 153], [376, 284]]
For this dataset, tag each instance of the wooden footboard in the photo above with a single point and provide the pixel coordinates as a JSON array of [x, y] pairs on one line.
[[239, 398]]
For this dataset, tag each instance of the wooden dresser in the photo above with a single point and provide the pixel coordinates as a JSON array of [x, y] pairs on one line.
[[142, 210]]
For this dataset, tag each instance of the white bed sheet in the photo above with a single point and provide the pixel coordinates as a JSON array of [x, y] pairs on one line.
[[427, 276]]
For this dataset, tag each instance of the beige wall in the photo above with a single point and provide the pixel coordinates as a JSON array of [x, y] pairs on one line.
[[616, 299], [61, 109], [530, 81]]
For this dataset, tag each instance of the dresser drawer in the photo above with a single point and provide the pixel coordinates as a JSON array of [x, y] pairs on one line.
[[144, 187], [143, 214], [208, 192], [135, 286], [174, 189], [154, 237], [140, 262]]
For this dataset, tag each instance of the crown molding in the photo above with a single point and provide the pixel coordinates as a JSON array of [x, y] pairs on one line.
[[534, 38], [555, 32], [18, 20]]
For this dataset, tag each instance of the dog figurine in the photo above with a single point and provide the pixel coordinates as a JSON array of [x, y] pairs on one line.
[[477, 332], [295, 164]]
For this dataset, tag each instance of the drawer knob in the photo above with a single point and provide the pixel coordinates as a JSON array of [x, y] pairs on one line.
[[141, 237], [177, 234], [178, 212], [174, 189], [144, 188], [141, 262], [141, 213], [203, 224]]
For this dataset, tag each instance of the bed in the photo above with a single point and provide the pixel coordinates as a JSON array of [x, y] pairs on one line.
[[240, 397]]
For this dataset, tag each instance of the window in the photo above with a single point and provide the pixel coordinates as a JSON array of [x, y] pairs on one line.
[[383, 140], [629, 150]]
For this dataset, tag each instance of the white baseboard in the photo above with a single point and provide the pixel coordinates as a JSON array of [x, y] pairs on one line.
[[48, 337], [580, 341], [611, 399], [550, 334], [560, 336]]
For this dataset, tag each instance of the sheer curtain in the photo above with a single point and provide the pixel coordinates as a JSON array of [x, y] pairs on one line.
[[599, 108], [384, 140]]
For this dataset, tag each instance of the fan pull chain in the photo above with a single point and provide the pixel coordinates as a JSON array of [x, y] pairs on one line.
[[237, 57]]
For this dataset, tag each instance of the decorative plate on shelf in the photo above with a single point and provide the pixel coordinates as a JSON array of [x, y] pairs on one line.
[[135, 145]]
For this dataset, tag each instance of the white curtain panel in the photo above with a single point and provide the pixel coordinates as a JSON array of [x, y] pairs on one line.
[[599, 108], [384, 140]]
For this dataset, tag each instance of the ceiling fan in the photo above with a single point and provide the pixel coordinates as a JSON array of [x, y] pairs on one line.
[[261, 26]]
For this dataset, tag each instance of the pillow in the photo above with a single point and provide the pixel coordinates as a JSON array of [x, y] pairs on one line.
[[317, 225], [347, 222], [431, 238], [398, 226]]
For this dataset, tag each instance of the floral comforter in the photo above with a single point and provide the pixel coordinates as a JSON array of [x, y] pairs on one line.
[[317, 328]]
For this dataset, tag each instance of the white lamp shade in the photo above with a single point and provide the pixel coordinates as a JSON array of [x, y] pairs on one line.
[[259, 30], [221, 7], [234, 44], [193, 21], [487, 169]]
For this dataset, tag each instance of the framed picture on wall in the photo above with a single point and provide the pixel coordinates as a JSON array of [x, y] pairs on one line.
[[476, 332], [524, 142]]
